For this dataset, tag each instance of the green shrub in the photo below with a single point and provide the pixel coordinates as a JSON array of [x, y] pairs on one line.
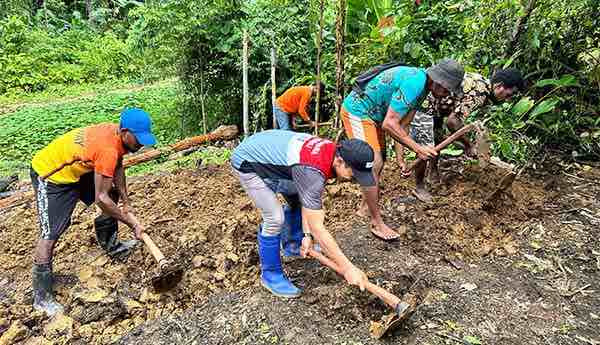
[[32, 59]]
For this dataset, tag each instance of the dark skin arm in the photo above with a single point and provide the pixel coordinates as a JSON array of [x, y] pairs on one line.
[[121, 184], [398, 129], [109, 207]]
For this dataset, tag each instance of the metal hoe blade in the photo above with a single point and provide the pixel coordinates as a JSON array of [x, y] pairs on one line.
[[168, 278], [392, 321]]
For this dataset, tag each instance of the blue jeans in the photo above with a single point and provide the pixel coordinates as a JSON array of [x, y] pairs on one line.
[[283, 118]]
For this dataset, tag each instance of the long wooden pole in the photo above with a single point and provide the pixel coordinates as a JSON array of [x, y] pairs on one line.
[[245, 83], [340, 28], [202, 101], [318, 79], [273, 85], [387, 297], [452, 138]]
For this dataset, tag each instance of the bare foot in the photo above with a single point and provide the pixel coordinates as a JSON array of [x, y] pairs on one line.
[[363, 211], [384, 232], [422, 194], [471, 151]]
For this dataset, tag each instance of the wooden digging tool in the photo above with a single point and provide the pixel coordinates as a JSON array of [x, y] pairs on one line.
[[403, 308], [485, 159], [169, 274], [452, 138]]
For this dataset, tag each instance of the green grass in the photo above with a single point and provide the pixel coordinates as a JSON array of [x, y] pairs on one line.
[[56, 92], [30, 128]]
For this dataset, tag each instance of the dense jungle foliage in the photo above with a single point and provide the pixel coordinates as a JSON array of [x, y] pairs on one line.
[[51, 44]]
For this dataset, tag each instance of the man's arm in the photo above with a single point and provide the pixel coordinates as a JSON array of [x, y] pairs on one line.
[[310, 184], [121, 184], [397, 127], [103, 186], [315, 221]]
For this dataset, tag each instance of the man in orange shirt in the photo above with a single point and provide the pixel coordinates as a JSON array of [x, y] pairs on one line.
[[295, 100], [84, 164]]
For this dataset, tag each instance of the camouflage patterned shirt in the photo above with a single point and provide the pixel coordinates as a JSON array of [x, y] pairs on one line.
[[477, 92]]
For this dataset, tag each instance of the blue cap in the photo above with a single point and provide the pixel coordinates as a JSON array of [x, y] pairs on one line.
[[139, 123]]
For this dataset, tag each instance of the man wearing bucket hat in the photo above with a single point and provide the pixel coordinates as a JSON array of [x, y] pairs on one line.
[[477, 92], [297, 165], [387, 105], [84, 164]]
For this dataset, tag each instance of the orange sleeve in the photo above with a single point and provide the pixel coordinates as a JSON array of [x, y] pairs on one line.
[[304, 102], [106, 161]]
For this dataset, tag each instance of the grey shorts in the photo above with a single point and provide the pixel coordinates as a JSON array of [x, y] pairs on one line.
[[55, 203], [421, 129]]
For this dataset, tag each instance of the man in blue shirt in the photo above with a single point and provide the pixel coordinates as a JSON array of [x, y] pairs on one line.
[[388, 105]]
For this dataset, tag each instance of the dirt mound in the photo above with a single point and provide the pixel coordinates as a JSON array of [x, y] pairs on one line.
[[203, 219], [199, 218], [458, 222]]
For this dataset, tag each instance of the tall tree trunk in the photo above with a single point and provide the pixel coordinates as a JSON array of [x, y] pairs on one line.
[[245, 95], [88, 8], [340, 31], [519, 29], [318, 79], [273, 82]]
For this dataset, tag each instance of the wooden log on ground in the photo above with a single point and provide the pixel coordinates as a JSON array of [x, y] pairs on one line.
[[15, 200], [221, 133]]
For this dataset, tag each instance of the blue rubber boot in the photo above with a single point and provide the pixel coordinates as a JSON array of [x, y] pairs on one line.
[[271, 276], [291, 232]]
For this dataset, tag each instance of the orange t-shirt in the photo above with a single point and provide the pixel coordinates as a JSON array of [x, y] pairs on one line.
[[295, 101], [95, 148]]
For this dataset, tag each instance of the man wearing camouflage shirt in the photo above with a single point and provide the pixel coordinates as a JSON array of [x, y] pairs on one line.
[[477, 92]]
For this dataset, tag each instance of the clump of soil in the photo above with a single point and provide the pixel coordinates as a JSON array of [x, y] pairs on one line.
[[458, 222]]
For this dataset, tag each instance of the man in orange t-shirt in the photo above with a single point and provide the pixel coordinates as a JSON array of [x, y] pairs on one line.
[[295, 100], [84, 164]]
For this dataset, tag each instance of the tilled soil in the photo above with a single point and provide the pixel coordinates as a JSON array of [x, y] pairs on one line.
[[506, 272]]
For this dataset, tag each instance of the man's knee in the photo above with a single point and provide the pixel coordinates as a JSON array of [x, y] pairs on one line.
[[454, 123], [273, 221]]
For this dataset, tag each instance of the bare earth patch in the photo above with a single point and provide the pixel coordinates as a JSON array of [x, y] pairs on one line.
[[524, 270]]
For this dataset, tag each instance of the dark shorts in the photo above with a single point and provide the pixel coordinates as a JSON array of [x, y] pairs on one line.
[[55, 203]]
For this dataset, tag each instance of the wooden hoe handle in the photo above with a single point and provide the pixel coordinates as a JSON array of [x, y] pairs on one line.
[[452, 138], [156, 253], [387, 297]]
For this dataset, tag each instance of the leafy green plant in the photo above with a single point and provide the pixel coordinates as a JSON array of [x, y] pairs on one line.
[[472, 340], [33, 59], [520, 129]]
